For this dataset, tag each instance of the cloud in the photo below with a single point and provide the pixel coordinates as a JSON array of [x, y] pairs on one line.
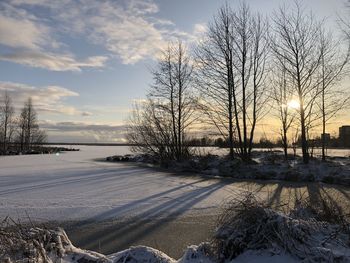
[[22, 33], [79, 126], [86, 113], [52, 61], [47, 99], [128, 29], [83, 132], [32, 40], [66, 110], [199, 29]]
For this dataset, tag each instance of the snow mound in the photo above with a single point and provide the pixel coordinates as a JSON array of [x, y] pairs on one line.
[[140, 254], [198, 254]]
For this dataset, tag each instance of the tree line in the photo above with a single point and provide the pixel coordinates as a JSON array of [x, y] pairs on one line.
[[19, 133], [246, 66]]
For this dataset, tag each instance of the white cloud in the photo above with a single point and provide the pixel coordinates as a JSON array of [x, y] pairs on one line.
[[199, 29], [55, 62], [47, 99], [22, 33], [83, 131], [32, 40], [86, 113], [128, 29]]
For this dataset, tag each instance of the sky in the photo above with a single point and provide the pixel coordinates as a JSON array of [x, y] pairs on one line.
[[85, 62]]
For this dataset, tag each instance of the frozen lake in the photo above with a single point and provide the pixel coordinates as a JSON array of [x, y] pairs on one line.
[[76, 186]]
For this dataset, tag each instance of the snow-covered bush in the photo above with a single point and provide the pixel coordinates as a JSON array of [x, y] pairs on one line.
[[248, 224], [25, 244]]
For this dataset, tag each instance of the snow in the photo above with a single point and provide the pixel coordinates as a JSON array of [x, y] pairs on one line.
[[141, 254], [251, 256], [43, 245], [74, 186]]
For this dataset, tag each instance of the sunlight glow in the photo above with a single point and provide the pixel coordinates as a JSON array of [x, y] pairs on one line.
[[293, 104]]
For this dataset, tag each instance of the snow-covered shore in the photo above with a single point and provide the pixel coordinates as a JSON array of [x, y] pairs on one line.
[[265, 165], [248, 231]]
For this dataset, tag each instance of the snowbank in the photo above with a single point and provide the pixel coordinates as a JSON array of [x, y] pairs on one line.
[[247, 231], [265, 165]]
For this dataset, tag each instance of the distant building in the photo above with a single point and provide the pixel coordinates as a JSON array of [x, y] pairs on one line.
[[344, 136], [326, 136]]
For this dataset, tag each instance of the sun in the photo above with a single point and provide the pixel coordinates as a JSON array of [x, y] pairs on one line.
[[293, 104]]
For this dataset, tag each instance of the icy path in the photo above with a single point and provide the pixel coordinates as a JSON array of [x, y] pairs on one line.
[[72, 186]]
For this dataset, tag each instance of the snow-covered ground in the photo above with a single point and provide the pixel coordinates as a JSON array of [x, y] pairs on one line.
[[316, 151], [74, 186]]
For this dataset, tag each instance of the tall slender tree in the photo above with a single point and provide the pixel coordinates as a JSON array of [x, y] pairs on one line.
[[29, 132], [296, 45], [333, 98], [282, 96], [6, 120], [215, 75], [232, 63]]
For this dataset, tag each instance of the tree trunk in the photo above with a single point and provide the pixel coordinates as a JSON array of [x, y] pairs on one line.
[[285, 143], [323, 113], [304, 144]]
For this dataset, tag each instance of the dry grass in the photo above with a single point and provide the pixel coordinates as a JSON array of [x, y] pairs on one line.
[[24, 243]]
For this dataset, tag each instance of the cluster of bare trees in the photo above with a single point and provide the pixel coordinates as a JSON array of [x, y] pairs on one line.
[[18, 133], [159, 125], [231, 75], [245, 67], [312, 63]]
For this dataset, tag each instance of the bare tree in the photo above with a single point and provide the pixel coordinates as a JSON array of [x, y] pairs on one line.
[[6, 121], [21, 122], [171, 92], [251, 48], [215, 75], [282, 95], [344, 21], [150, 131], [170, 109], [30, 124], [29, 133], [334, 58], [296, 44], [232, 66]]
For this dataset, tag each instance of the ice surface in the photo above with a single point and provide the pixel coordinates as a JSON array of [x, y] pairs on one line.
[[74, 186]]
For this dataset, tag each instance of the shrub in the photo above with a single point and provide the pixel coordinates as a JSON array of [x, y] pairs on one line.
[[247, 224], [21, 243]]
